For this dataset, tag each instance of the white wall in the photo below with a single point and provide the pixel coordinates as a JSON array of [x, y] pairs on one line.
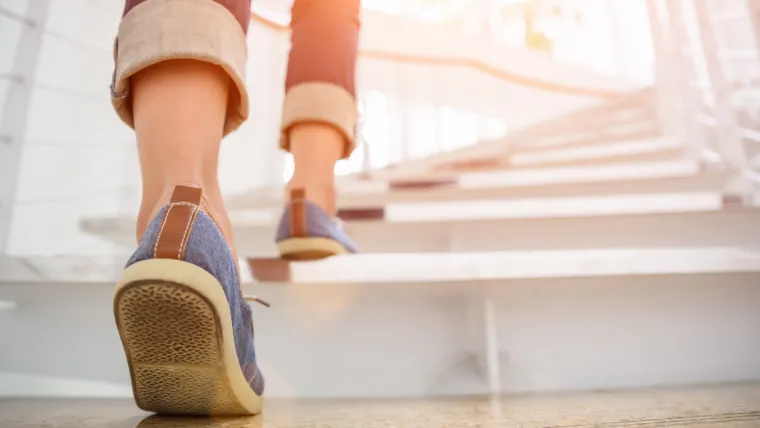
[[75, 151]]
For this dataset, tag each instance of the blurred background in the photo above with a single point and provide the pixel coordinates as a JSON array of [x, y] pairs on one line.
[[550, 194]]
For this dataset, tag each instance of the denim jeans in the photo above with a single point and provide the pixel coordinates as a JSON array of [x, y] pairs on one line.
[[320, 79]]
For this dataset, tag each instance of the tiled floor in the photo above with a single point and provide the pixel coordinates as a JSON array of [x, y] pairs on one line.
[[735, 406]]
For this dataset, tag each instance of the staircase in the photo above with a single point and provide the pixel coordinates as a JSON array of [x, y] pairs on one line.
[[589, 252], [601, 178], [593, 251]]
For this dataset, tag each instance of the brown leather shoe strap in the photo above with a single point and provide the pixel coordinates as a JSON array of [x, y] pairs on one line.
[[298, 213], [178, 223]]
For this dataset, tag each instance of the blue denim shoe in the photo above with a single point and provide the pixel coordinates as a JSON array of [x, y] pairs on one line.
[[306, 232], [186, 329]]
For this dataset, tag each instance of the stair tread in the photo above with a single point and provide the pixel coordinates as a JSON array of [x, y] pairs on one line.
[[553, 207], [507, 265], [479, 210], [662, 177], [438, 267], [508, 177], [606, 151]]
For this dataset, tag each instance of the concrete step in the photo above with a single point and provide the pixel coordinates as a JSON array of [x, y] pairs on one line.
[[499, 157], [442, 325], [478, 178], [646, 230], [599, 138], [665, 176], [474, 267], [634, 178], [617, 125], [552, 207], [624, 151], [590, 135], [603, 222]]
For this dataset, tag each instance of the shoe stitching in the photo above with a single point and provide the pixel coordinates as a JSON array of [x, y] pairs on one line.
[[160, 231], [190, 221]]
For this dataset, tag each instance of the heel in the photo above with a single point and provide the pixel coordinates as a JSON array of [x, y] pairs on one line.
[[304, 249], [175, 325], [300, 246]]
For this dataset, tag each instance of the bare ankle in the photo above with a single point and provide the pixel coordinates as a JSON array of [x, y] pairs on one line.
[[316, 148]]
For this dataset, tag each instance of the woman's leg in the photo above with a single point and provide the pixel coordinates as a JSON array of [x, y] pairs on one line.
[[319, 113], [319, 117], [175, 147], [186, 330], [179, 82]]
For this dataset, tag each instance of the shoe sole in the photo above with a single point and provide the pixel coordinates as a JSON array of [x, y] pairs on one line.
[[309, 248], [175, 325]]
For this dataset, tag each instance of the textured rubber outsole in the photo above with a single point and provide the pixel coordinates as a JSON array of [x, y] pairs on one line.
[[177, 336], [309, 248]]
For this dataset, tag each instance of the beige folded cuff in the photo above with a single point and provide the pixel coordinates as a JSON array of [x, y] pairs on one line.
[[320, 102], [161, 30]]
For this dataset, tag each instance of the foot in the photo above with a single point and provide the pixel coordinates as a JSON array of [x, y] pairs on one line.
[[307, 232], [186, 329]]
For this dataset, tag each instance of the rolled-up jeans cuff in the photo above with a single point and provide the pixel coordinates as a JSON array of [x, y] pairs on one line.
[[161, 30], [320, 102]]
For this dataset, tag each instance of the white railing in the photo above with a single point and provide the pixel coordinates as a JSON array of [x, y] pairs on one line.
[[708, 76]]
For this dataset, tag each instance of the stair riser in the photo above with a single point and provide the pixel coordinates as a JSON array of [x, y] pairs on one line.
[[404, 340], [556, 190], [698, 229]]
